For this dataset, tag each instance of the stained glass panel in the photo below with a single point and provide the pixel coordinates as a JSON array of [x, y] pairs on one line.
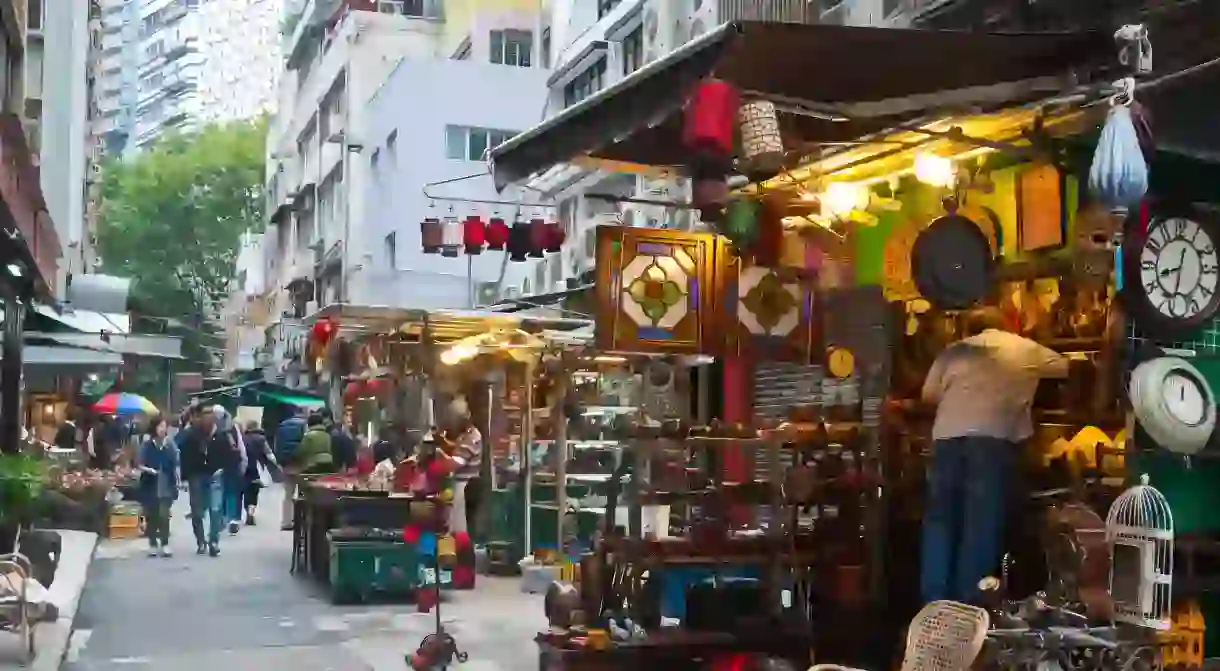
[[649, 290], [771, 311]]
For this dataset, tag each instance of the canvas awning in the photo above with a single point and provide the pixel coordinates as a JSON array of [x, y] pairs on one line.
[[65, 360], [296, 400], [833, 83]]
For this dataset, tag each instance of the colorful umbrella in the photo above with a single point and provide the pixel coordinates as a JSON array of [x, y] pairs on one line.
[[124, 404]]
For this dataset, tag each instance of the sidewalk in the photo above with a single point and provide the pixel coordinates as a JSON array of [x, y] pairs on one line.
[[51, 638]]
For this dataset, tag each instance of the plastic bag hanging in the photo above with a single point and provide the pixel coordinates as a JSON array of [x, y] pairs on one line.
[[1119, 175]]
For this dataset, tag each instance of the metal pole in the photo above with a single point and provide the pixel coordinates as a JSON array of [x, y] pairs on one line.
[[561, 455], [10, 371], [527, 444], [470, 297]]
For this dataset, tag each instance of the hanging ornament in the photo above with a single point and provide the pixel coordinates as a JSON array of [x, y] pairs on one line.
[[741, 223], [451, 237], [709, 125], [537, 238], [322, 332], [1118, 176], [555, 236], [762, 148], [519, 241], [353, 391], [474, 234], [497, 235], [430, 235]]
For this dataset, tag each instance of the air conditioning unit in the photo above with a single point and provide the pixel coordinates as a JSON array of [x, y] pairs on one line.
[[487, 293], [389, 7]]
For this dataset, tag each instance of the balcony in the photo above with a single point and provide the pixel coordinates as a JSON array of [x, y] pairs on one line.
[[781, 11]]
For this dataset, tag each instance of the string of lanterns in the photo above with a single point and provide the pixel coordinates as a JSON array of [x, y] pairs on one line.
[[451, 237]]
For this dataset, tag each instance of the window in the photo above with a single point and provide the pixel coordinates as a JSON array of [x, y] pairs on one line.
[[633, 51], [391, 250], [585, 84], [604, 7], [512, 47], [546, 47], [35, 10], [155, 49], [464, 143], [374, 160]]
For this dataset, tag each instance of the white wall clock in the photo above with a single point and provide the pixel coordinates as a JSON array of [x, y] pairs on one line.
[[1172, 275], [1173, 403]]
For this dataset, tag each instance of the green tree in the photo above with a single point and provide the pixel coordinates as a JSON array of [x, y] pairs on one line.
[[171, 219]]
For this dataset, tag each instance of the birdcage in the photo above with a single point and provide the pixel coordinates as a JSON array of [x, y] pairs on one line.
[[1139, 528]]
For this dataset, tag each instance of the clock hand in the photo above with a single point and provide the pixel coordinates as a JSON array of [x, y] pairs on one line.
[[1178, 280]]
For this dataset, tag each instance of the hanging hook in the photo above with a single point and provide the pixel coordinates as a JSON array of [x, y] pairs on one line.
[[1126, 92]]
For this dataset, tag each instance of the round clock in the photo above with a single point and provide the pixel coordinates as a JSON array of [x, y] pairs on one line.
[[952, 263], [1173, 403], [840, 362], [1172, 275]]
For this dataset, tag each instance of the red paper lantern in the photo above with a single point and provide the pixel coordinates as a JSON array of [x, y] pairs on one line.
[[463, 577], [554, 236], [353, 391], [710, 119], [438, 468], [519, 241], [411, 534], [322, 331], [474, 234], [537, 238], [376, 386], [431, 236], [497, 235]]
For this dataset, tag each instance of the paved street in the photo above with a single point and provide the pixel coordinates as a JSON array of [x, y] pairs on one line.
[[243, 611]]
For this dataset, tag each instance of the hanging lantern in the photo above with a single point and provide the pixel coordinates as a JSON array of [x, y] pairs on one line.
[[376, 386], [554, 236], [519, 241], [353, 391], [322, 332], [451, 237], [741, 223], [474, 234], [762, 148], [430, 235], [709, 125], [537, 231], [497, 235]]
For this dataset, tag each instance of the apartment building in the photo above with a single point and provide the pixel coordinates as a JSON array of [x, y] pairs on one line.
[[372, 102], [592, 45], [56, 115], [240, 42], [174, 65]]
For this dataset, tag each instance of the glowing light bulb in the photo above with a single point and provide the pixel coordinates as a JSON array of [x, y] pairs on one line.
[[841, 198], [934, 170]]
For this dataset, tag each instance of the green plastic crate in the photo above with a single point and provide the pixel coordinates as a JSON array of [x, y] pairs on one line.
[[363, 569]]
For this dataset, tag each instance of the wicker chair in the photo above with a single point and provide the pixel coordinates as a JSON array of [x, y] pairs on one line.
[[943, 636]]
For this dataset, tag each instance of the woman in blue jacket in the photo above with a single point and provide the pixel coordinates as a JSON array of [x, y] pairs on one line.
[[158, 464]]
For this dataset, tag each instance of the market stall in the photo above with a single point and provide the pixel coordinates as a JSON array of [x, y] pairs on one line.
[[855, 219]]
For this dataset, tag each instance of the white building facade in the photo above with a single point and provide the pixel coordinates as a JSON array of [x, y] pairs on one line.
[[374, 100], [56, 118]]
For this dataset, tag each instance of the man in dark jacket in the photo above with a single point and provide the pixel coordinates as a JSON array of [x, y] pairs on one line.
[[202, 467], [287, 439], [343, 447]]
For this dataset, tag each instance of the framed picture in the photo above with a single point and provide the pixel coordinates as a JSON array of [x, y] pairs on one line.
[[1040, 216]]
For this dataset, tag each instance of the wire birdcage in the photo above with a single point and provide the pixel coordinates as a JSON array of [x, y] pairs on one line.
[[1139, 528]]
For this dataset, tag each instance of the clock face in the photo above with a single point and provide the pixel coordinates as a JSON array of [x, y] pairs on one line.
[[1184, 399], [1179, 268]]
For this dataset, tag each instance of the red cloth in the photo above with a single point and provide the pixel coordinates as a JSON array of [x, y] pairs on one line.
[[365, 464]]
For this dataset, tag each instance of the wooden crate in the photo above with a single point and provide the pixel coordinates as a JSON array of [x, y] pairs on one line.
[[124, 525]]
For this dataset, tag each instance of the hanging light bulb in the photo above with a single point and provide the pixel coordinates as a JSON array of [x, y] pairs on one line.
[[843, 197], [451, 237], [934, 170]]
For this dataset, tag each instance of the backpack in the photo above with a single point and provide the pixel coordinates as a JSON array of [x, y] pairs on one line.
[[288, 437]]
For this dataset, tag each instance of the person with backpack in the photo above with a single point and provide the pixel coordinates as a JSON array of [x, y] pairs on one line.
[[258, 453], [228, 441], [288, 436]]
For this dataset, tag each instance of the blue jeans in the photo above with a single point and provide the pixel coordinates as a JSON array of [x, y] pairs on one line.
[[206, 494], [234, 485], [963, 525]]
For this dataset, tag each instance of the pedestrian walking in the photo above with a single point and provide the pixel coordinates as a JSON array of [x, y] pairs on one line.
[[203, 468], [228, 441], [158, 463], [288, 436], [258, 453]]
